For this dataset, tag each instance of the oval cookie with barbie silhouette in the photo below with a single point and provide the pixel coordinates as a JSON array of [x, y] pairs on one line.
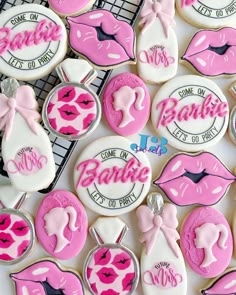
[[126, 104], [61, 224], [206, 241]]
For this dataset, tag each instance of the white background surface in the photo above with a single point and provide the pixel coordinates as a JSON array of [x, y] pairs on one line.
[[225, 150]]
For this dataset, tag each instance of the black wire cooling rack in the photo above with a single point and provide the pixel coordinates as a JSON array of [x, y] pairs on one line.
[[62, 149]]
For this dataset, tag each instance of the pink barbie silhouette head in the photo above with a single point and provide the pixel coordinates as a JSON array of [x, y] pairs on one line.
[[55, 222], [124, 99], [207, 235]]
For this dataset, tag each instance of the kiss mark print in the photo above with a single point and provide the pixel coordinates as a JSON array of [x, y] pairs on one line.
[[107, 275], [121, 261], [66, 94], [69, 130], [85, 101], [68, 112], [5, 221], [102, 256], [128, 281]]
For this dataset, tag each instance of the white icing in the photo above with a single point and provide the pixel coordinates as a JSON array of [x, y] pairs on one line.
[[78, 33], [152, 36], [113, 55], [40, 271], [9, 196], [200, 41], [217, 190], [161, 252], [22, 137], [201, 62], [51, 52], [25, 291], [176, 166], [174, 192], [208, 13], [230, 284], [95, 16]]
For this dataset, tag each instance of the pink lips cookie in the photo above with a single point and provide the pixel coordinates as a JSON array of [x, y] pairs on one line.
[[212, 53], [102, 39], [126, 104], [46, 277], [61, 224], [189, 179], [206, 241], [70, 7]]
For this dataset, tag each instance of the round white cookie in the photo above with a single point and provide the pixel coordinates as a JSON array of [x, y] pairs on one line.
[[208, 13], [33, 40], [191, 112], [110, 178]]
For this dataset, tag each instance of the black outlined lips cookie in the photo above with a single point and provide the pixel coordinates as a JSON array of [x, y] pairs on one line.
[[102, 39]]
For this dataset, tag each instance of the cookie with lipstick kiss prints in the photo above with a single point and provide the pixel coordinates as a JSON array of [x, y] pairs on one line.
[[157, 46], [47, 277], [206, 241], [61, 224], [17, 234], [74, 7], [191, 112], [126, 104], [26, 148], [225, 284], [162, 271], [207, 13], [106, 165], [110, 268], [103, 40], [72, 110], [189, 179], [211, 53], [33, 40]]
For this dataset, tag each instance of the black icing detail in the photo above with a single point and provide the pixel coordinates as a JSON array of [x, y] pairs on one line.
[[49, 290], [102, 36], [195, 177], [68, 113], [219, 50]]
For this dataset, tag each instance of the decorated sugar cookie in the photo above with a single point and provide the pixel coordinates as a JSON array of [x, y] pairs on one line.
[[110, 268], [126, 104], [162, 271], [225, 284], [191, 112], [61, 224], [157, 47], [206, 241], [33, 41], [17, 235], [207, 13], [102, 39], [64, 7], [72, 110], [232, 89], [9, 196], [189, 179], [26, 148], [47, 277], [106, 165], [211, 53]]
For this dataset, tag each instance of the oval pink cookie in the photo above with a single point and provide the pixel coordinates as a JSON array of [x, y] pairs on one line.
[[70, 7], [126, 104], [206, 241], [61, 224]]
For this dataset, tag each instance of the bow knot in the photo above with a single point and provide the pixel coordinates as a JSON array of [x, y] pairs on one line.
[[156, 7], [151, 224], [24, 103]]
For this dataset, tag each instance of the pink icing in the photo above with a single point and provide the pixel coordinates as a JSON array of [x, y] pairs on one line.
[[207, 61], [224, 285], [45, 32], [126, 104], [162, 275], [27, 162], [156, 56], [36, 275], [61, 224], [194, 256], [187, 3], [72, 110], [15, 236], [24, 103], [151, 224], [111, 269], [90, 171], [116, 48], [163, 9], [169, 111], [65, 7], [181, 188]]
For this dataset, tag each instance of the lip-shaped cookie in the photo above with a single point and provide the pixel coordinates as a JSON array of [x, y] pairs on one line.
[[189, 179], [212, 53], [102, 39], [47, 278]]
